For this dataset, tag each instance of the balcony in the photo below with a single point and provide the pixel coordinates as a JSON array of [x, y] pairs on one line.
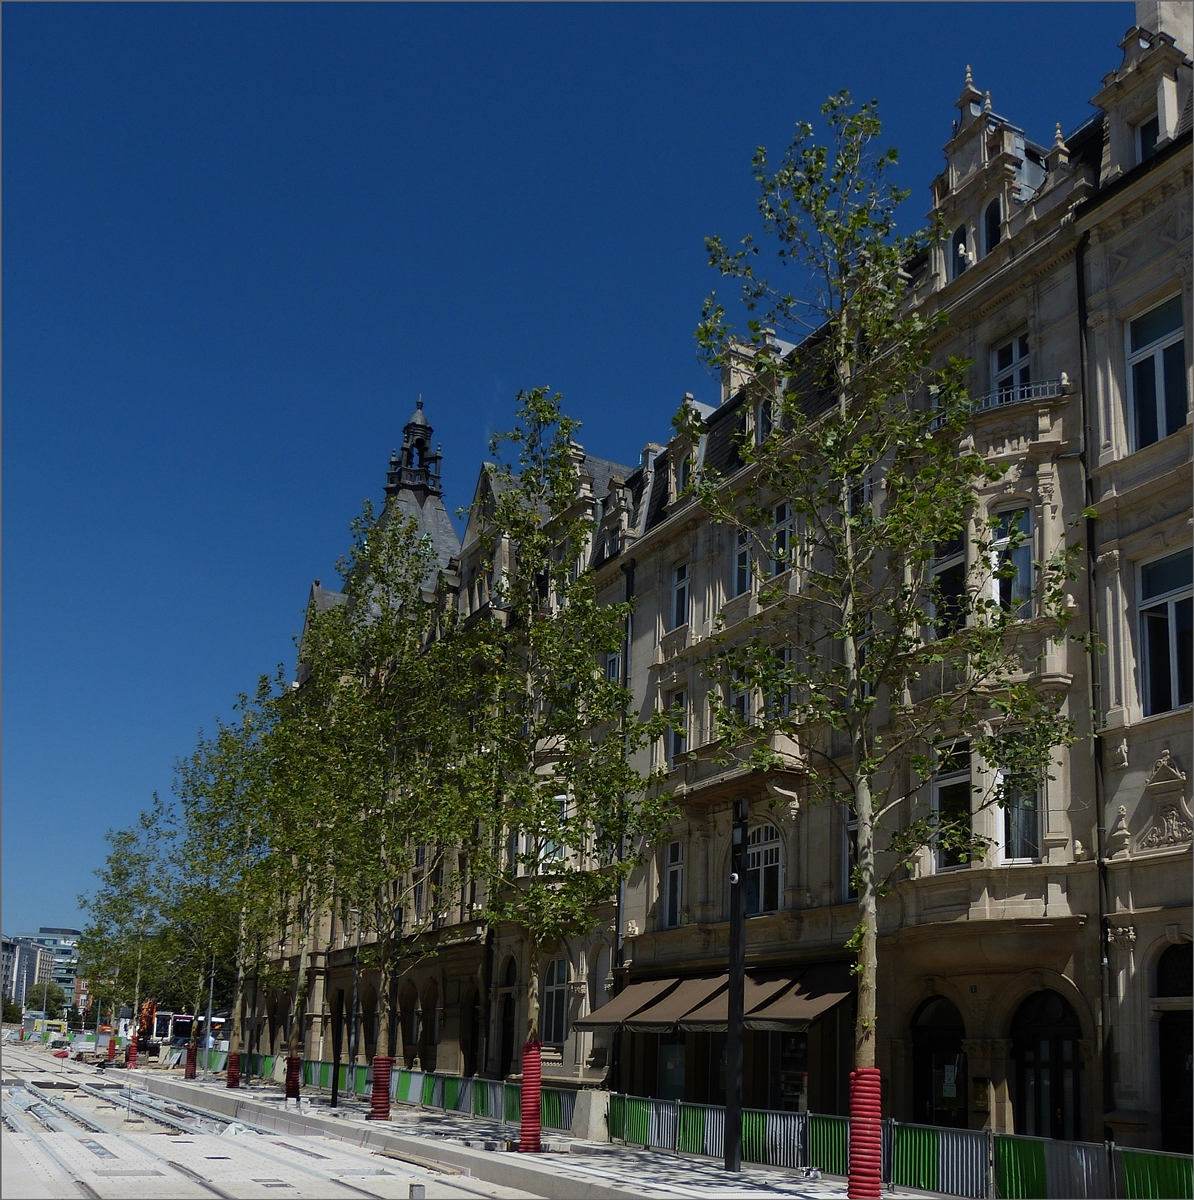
[[1019, 393]]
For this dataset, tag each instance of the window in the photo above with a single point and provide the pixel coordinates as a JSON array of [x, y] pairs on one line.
[[684, 475], [555, 1002], [1157, 371], [1021, 823], [778, 700], [957, 253], [419, 897], [951, 801], [764, 420], [993, 224], [738, 698], [613, 667], [673, 895], [1165, 631], [1147, 133], [1013, 562], [762, 870], [781, 539], [1010, 370], [949, 587], [676, 740], [553, 851], [512, 848], [742, 563], [680, 596]]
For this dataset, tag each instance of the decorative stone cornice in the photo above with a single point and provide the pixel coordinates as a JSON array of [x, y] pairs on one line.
[[1171, 823]]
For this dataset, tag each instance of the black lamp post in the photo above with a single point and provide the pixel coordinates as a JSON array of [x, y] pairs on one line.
[[352, 1018], [733, 1127]]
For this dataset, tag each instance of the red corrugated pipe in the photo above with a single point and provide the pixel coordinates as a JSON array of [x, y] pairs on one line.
[[233, 1071], [379, 1109], [131, 1058], [294, 1067], [866, 1135], [532, 1075], [192, 1062]]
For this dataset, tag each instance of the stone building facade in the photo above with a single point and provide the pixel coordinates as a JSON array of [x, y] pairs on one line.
[[1043, 986]]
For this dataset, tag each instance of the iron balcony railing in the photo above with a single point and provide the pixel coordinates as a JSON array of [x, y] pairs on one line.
[[1018, 393]]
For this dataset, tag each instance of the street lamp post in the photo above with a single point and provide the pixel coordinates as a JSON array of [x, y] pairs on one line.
[[352, 1016], [733, 1128]]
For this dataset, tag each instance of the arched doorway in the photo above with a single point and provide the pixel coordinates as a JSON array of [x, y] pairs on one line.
[[470, 1029], [429, 1034], [509, 983], [939, 1072], [1175, 977], [1045, 1036], [408, 1003]]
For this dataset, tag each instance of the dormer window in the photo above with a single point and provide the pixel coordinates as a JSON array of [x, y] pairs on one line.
[[684, 475], [958, 261], [992, 225], [1147, 133]]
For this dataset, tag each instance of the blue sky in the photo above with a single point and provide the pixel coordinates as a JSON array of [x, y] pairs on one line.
[[238, 240]]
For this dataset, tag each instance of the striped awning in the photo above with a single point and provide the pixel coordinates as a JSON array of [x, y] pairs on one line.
[[758, 991]]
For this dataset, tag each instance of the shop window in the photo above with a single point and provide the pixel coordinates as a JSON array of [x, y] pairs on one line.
[[1012, 567], [993, 224], [762, 870], [1166, 621], [1049, 1069], [951, 804], [939, 1070], [742, 563], [613, 667], [1011, 370], [676, 739], [554, 1026], [948, 598], [680, 584], [673, 884], [1147, 133], [1157, 373]]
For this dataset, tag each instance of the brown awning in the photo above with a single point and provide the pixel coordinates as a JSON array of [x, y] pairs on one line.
[[817, 991], [664, 1015], [758, 990], [626, 1003]]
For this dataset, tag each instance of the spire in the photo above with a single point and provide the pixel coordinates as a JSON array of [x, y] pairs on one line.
[[969, 85], [986, 102], [1058, 140], [969, 102], [415, 468], [1059, 154]]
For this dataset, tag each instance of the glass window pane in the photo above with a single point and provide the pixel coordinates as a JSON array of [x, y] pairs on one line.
[[751, 894], [1168, 574], [1174, 370], [1144, 397], [1022, 346], [1183, 620], [1149, 132], [1003, 357], [950, 603], [1155, 325], [771, 889], [1155, 628], [1021, 825]]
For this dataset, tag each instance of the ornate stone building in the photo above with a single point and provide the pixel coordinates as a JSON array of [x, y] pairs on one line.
[[1044, 986]]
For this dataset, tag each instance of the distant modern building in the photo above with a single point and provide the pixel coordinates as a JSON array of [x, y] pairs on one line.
[[63, 945], [26, 966]]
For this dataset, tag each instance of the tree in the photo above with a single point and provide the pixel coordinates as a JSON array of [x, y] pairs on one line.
[[120, 943], [12, 1012], [550, 756], [871, 665], [372, 729], [46, 997]]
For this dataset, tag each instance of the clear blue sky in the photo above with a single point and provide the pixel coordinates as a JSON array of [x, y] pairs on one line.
[[240, 239]]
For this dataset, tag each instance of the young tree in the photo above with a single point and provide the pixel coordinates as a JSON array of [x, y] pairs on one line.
[[871, 664], [550, 753]]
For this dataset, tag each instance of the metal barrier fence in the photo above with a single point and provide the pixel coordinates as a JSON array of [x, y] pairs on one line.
[[954, 1162]]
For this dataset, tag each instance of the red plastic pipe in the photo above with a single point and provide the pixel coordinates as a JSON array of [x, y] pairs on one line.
[[294, 1067], [192, 1063], [532, 1077], [379, 1108], [233, 1071], [866, 1135]]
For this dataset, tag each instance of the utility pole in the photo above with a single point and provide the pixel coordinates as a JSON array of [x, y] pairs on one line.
[[733, 1127]]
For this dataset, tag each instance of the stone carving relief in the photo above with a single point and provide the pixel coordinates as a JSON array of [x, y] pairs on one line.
[[1119, 756], [1119, 838], [1165, 793]]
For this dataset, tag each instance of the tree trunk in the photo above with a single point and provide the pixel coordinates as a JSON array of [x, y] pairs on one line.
[[383, 1064], [236, 1037], [532, 1064], [294, 1045], [190, 1071]]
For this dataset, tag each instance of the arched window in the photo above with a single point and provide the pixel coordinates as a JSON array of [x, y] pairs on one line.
[[957, 253], [939, 1074], [993, 225], [599, 977], [1045, 1035], [1175, 977], [763, 870]]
